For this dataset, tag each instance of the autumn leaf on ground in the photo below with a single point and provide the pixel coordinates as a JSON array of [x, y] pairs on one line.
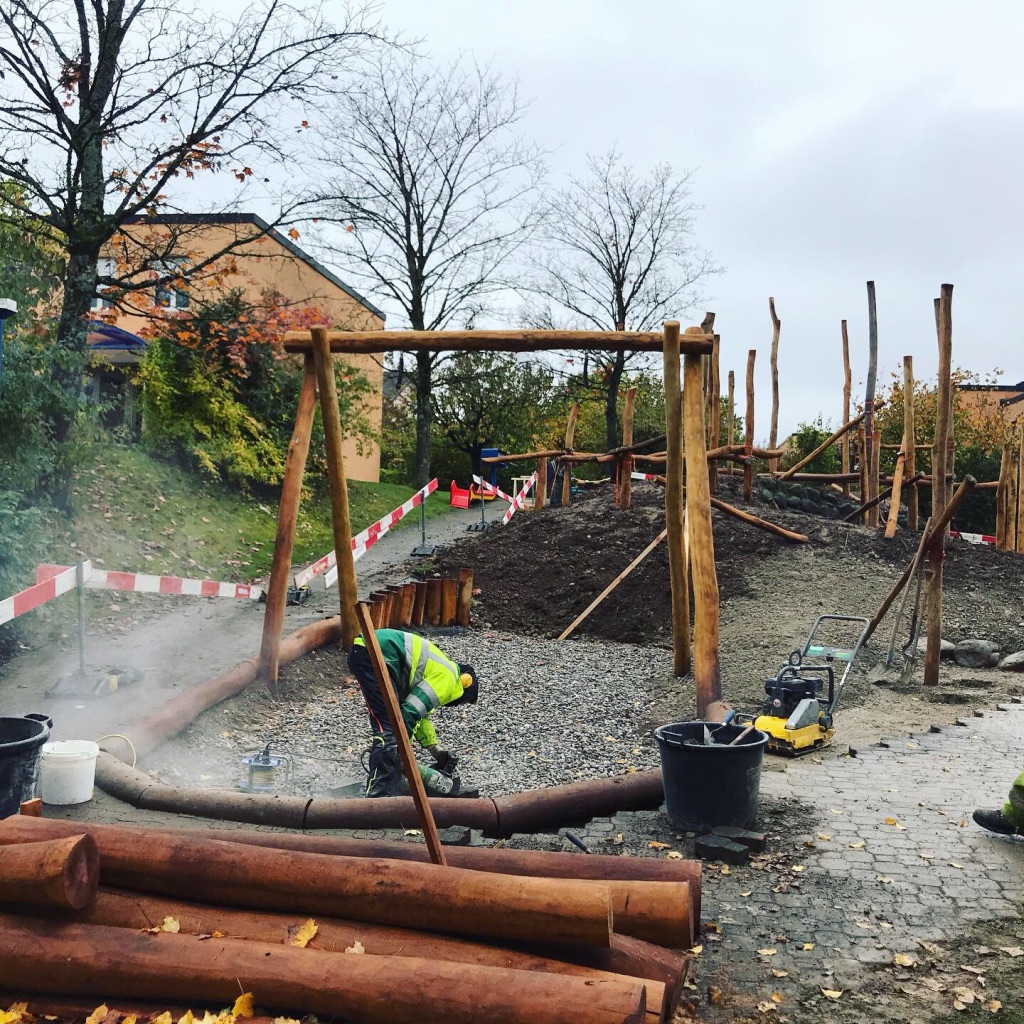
[[675, 855], [714, 994], [16, 1013], [726, 870], [895, 824], [655, 845], [186, 1018], [993, 1006], [303, 934], [859, 845], [746, 893], [798, 868], [824, 837], [767, 952], [1011, 950], [905, 960], [356, 947], [243, 1006], [766, 1007], [695, 950], [776, 973], [807, 946], [98, 1015], [164, 1018], [962, 998], [832, 994], [132, 1018], [170, 924], [412, 832], [776, 997]]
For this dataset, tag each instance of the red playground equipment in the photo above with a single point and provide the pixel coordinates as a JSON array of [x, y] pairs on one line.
[[463, 497]]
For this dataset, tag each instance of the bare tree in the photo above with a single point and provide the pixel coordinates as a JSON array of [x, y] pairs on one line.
[[433, 185], [618, 255], [107, 105]]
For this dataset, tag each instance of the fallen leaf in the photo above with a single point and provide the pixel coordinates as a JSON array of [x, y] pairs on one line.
[[905, 960], [767, 952], [675, 855], [993, 1006], [1011, 950], [746, 893], [243, 1006], [779, 974], [883, 879], [132, 1018], [171, 924], [972, 970], [303, 934], [767, 1007], [712, 926], [695, 950], [412, 832], [824, 837], [953, 864], [835, 810], [926, 855], [810, 845], [807, 946], [798, 868], [356, 947], [164, 1018], [714, 994], [935, 986], [655, 845], [859, 845], [186, 1018], [19, 1012], [962, 998], [776, 997], [832, 994], [725, 869]]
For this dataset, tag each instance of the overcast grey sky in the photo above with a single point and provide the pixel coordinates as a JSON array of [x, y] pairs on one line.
[[833, 142]]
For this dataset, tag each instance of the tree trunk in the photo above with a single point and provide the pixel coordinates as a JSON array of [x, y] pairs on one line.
[[423, 417]]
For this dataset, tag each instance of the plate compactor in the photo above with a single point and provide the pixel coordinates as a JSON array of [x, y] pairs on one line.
[[796, 714]]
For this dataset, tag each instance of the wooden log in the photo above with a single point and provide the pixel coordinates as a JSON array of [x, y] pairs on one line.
[[333, 443], [761, 524], [674, 501], [405, 894], [33, 807], [748, 437], [862, 467], [844, 429], [940, 453], [75, 959], [449, 601], [287, 518], [552, 453], [124, 909], [909, 439], [465, 597], [388, 599], [433, 607], [875, 471], [570, 437], [706, 672], [419, 605], [858, 513], [611, 586], [498, 341], [730, 436], [773, 438], [1019, 540], [540, 488], [62, 872], [377, 609], [715, 413], [835, 478], [626, 465], [408, 603], [894, 508], [869, 408], [936, 528], [1002, 496], [397, 596], [401, 734], [847, 384]]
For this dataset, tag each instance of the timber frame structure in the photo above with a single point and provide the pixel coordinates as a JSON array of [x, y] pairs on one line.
[[318, 345]]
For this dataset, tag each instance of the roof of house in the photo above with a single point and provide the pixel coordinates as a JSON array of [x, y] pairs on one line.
[[265, 228], [991, 387], [104, 336]]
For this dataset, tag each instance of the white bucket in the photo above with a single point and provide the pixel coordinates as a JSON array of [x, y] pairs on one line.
[[68, 771]]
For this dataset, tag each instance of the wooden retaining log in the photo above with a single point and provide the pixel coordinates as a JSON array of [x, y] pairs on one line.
[[419, 606], [62, 872], [465, 597], [389, 892], [449, 601], [75, 959], [432, 616]]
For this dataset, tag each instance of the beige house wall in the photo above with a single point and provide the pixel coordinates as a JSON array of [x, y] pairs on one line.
[[268, 265]]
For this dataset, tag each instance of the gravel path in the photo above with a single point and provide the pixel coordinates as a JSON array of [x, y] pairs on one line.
[[578, 710]]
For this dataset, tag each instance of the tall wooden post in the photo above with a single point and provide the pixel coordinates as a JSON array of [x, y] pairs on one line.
[[875, 481], [674, 500], [707, 325], [570, 437], [847, 382], [909, 439], [730, 427], [773, 437], [862, 466], [287, 517], [715, 412], [748, 437], [1002, 497], [940, 496], [1019, 536], [869, 403], [333, 440], [626, 462], [540, 489], [706, 673]]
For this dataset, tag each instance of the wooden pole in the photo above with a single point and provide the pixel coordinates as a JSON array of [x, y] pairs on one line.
[[869, 405], [844, 429], [706, 673], [287, 517], [449, 601], [1012, 494], [1019, 537], [858, 513], [412, 772], [862, 467], [875, 476], [465, 596], [910, 439], [847, 384], [761, 524], [540, 488], [1001, 497], [748, 437], [333, 442], [773, 438], [611, 586], [570, 437], [61, 873], [433, 605], [420, 603], [674, 501], [714, 412], [626, 463], [933, 593], [731, 424], [894, 507]]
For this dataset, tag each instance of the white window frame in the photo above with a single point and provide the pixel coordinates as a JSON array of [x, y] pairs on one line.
[[106, 266], [177, 298]]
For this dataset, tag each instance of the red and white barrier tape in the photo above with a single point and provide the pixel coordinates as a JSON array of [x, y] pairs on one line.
[[143, 583], [362, 542], [46, 589], [974, 538], [519, 500], [643, 476], [490, 488]]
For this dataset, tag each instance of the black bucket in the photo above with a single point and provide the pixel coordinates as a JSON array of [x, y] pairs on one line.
[[21, 742], [714, 785]]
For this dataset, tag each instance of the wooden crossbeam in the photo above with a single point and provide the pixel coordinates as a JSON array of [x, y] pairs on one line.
[[351, 342]]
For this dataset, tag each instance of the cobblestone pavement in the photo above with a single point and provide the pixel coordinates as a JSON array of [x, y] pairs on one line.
[[869, 856]]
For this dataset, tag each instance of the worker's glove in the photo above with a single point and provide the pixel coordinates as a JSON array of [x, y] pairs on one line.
[[444, 760]]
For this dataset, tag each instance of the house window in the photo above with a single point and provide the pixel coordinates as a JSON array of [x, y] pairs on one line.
[[172, 294], [105, 267]]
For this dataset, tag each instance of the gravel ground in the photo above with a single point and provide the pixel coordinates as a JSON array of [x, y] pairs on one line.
[[578, 710]]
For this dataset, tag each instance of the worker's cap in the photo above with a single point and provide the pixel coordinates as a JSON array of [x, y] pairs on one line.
[[470, 685]]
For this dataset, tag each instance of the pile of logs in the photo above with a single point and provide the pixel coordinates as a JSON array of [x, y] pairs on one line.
[[432, 602], [337, 927]]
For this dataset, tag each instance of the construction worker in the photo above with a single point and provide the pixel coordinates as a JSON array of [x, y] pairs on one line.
[[424, 678], [1009, 819]]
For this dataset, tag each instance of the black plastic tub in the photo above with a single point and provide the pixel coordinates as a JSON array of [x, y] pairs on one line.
[[21, 742]]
